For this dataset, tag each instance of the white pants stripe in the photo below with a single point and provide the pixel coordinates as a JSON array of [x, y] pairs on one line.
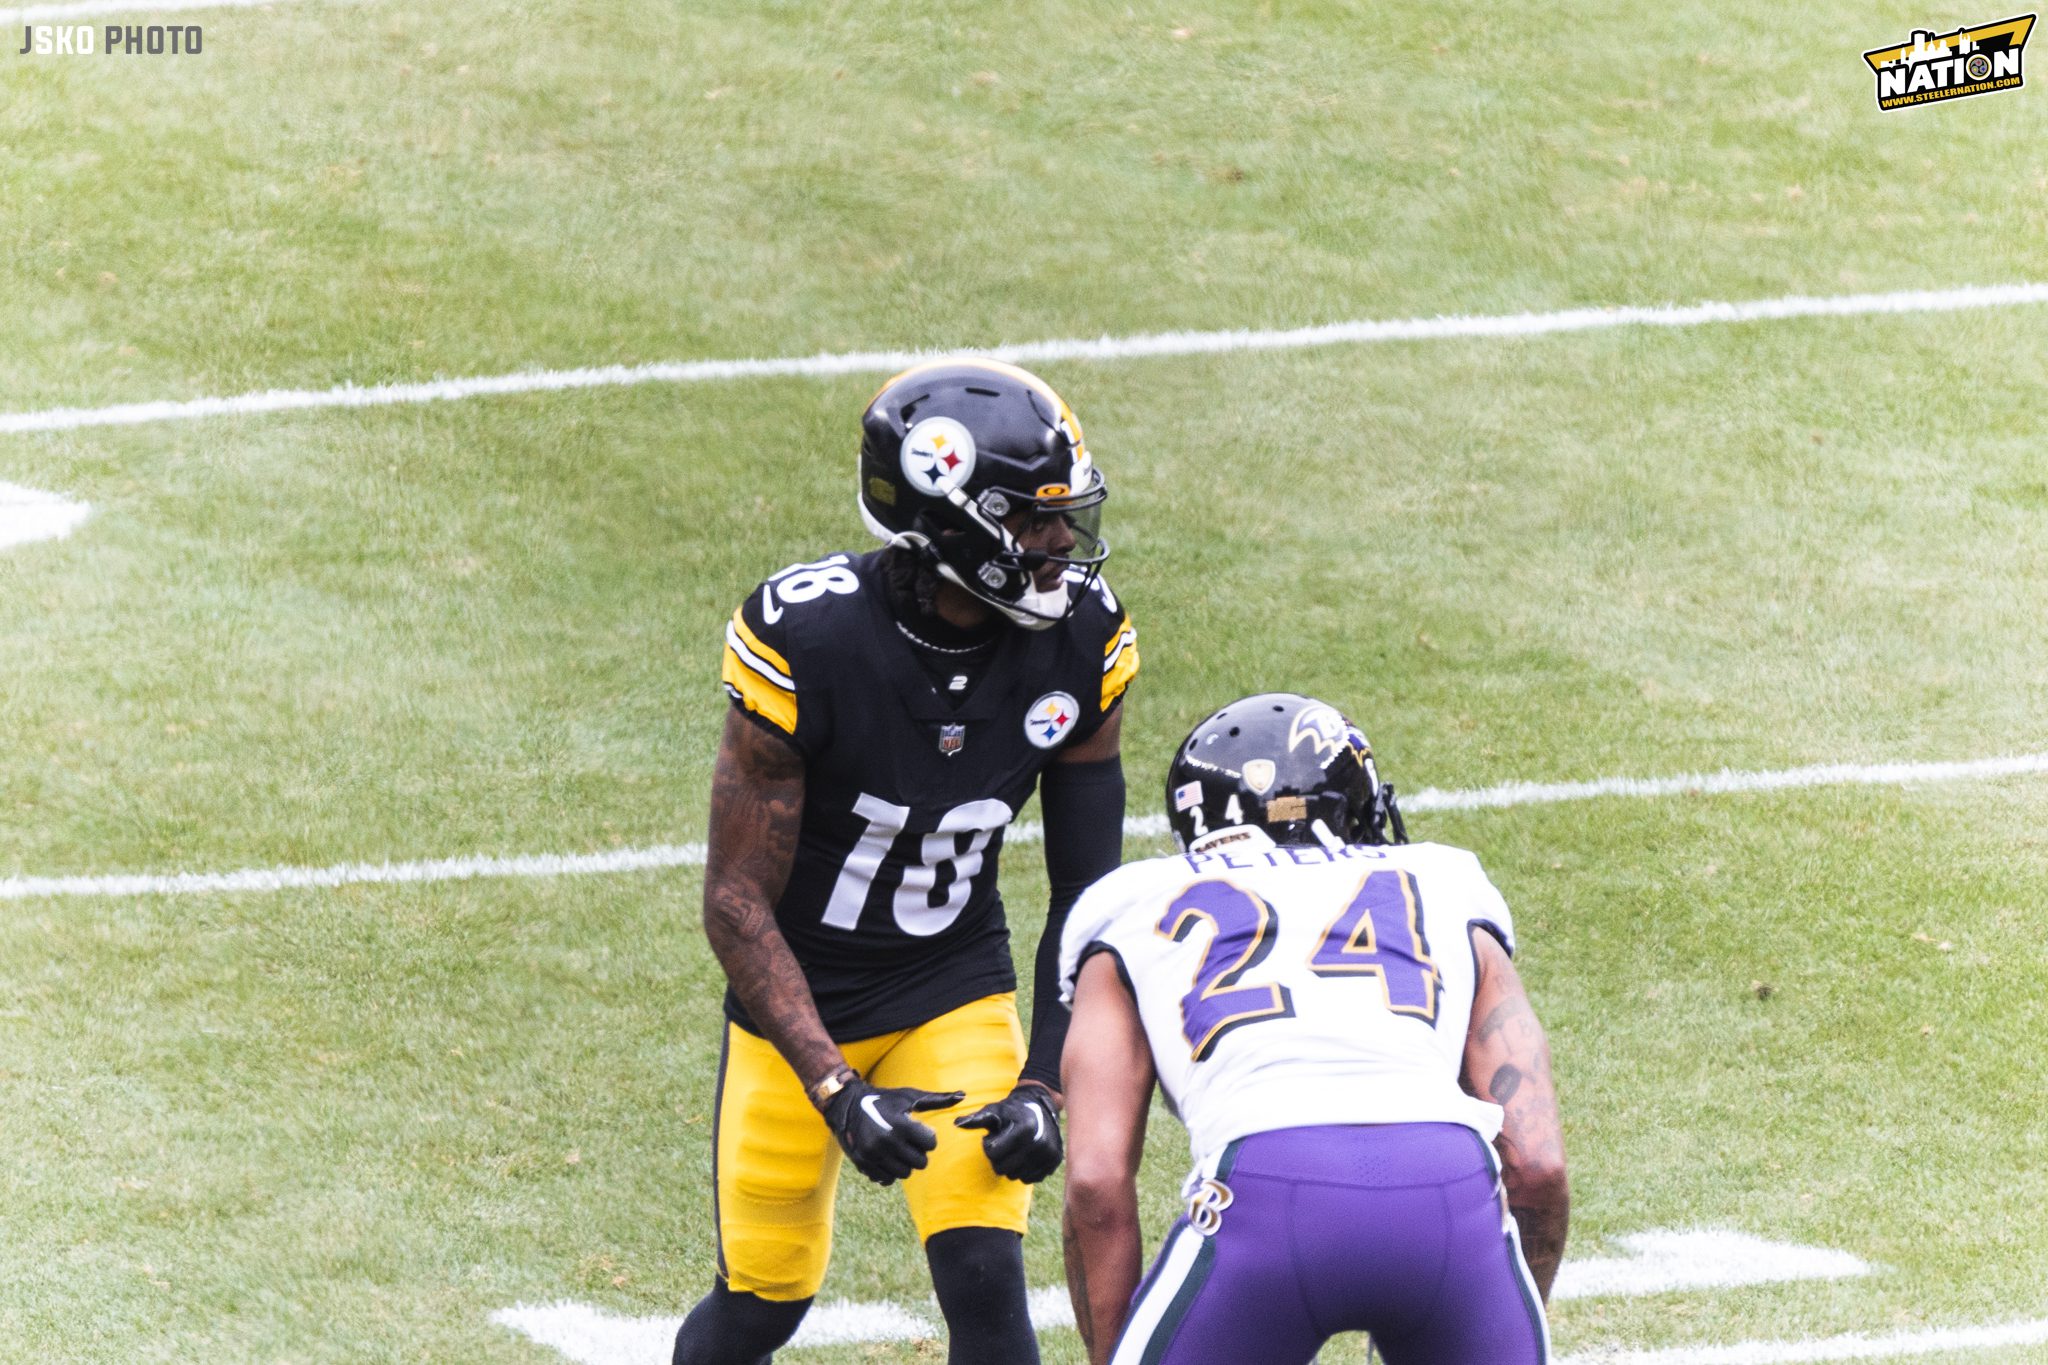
[[1514, 1236], [1175, 1265]]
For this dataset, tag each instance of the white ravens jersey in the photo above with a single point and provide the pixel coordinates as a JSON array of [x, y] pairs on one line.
[[1288, 987]]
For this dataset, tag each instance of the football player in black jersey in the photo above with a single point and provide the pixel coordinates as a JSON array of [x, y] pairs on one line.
[[891, 713]]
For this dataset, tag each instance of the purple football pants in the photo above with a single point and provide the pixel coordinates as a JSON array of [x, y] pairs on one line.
[[1397, 1230]]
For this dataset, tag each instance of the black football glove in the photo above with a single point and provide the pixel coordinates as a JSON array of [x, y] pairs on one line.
[[1023, 1141], [882, 1141]]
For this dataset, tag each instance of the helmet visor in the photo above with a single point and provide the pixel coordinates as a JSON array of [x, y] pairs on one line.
[[1058, 527]]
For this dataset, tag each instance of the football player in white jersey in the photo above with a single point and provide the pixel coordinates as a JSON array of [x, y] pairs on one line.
[[1333, 1013]]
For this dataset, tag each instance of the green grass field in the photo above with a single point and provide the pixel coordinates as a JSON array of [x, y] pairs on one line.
[[350, 1124]]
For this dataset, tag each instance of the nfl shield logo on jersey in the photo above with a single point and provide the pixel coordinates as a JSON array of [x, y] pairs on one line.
[[952, 739], [1049, 719]]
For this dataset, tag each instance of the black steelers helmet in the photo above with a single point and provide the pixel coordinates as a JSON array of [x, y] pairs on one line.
[[1290, 765], [952, 450]]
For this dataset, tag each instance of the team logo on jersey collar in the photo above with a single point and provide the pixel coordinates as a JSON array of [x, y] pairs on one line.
[[1050, 718], [938, 456]]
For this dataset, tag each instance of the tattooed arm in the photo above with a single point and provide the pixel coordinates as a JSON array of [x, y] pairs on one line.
[[757, 805], [1507, 1061], [1106, 1073]]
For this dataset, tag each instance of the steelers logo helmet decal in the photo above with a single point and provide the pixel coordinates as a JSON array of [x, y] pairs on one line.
[[1050, 719], [938, 456]]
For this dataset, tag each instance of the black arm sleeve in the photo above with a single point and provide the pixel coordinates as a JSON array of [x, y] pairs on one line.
[[1084, 840]]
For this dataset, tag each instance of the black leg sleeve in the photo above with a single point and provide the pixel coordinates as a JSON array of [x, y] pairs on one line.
[[728, 1328], [978, 1275], [1084, 840]]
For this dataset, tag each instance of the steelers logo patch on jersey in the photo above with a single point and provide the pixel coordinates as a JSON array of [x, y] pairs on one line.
[[1050, 718], [938, 456]]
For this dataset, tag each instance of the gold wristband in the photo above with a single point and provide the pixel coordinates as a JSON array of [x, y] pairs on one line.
[[822, 1092]]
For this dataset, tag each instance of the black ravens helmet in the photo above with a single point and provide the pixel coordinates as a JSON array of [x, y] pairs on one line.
[[958, 455], [1290, 765]]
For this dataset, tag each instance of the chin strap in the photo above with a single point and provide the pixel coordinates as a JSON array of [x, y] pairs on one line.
[[1033, 610], [1042, 610]]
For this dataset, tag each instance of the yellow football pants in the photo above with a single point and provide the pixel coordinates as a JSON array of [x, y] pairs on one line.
[[777, 1165]]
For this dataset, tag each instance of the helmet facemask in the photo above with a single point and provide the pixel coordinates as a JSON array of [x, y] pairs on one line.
[[1003, 543]]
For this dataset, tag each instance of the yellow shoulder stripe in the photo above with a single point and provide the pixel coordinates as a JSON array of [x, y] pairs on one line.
[[1120, 665], [757, 694], [753, 642]]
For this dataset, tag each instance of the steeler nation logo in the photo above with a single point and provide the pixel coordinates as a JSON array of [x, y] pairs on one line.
[[1049, 719], [1934, 67]]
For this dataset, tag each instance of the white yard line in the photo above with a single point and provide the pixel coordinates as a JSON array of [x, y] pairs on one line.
[[1101, 348], [1656, 1263], [1853, 1346], [1659, 1262], [87, 9], [353, 874], [1724, 782], [1663, 1262], [28, 514], [591, 1336], [1137, 827]]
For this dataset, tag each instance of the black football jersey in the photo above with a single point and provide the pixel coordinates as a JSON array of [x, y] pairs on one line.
[[892, 907]]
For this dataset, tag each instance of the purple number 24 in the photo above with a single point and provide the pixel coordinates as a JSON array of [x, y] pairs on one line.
[[1379, 933]]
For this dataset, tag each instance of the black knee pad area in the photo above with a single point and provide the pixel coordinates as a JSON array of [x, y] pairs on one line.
[[730, 1328]]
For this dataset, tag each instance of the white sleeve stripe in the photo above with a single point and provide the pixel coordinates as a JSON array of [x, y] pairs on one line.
[[1124, 641], [755, 661]]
